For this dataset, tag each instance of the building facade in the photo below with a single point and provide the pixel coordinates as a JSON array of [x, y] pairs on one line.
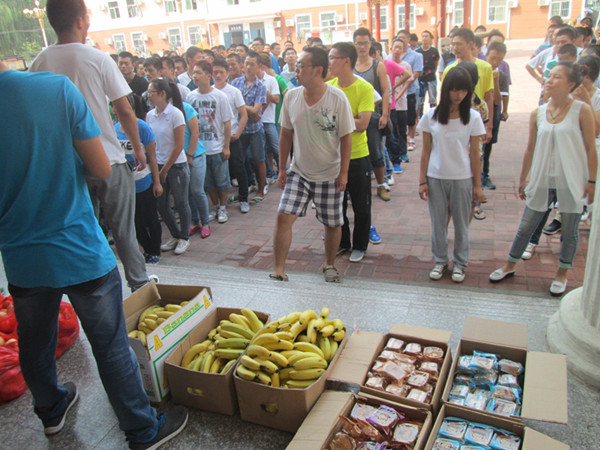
[[153, 26]]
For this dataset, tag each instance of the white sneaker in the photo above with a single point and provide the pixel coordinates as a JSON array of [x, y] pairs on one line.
[[411, 146], [212, 215], [458, 275], [182, 246], [390, 180], [266, 189], [244, 207], [529, 251], [222, 216], [437, 271], [169, 245]]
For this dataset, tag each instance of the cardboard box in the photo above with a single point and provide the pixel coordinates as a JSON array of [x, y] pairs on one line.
[[167, 336], [350, 373], [545, 385], [289, 406], [323, 422], [531, 439], [219, 391]]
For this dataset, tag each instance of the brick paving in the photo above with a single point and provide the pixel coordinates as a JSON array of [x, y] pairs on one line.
[[403, 223]]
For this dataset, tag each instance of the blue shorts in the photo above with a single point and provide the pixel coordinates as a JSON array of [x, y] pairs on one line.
[[217, 173]]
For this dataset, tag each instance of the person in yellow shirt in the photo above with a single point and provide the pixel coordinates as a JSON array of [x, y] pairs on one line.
[[360, 93]]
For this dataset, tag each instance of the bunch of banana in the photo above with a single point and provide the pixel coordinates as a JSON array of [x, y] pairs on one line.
[[224, 344], [152, 317], [292, 351]]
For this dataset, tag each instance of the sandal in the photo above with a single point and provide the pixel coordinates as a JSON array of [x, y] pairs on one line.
[[277, 277], [256, 199], [479, 214], [331, 274]]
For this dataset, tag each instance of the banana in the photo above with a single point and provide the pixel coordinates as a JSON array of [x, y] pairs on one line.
[[255, 322], [289, 353], [263, 378], [193, 351], [338, 324], [267, 338], [144, 328], [246, 373], [172, 307], [307, 316], [334, 347], [209, 358], [328, 330], [284, 374], [228, 366], [184, 303], [285, 336], [250, 363], [197, 363], [311, 363], [307, 374], [298, 328], [217, 365], [139, 335], [284, 326], [165, 314], [299, 384], [267, 329], [239, 329], [233, 343], [275, 380], [311, 331], [302, 338], [294, 317], [301, 355], [229, 335], [229, 353], [240, 320], [267, 366], [281, 345], [150, 323], [149, 310], [212, 333], [339, 335], [258, 350], [218, 338], [324, 313], [278, 359], [325, 347], [308, 347], [151, 316], [160, 320]]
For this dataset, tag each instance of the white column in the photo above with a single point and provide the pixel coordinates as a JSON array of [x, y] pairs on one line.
[[575, 328]]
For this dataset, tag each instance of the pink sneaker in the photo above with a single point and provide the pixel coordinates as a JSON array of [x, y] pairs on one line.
[[205, 233], [195, 229]]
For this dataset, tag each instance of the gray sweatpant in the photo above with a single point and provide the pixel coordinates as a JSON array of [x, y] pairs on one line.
[[450, 197], [116, 195]]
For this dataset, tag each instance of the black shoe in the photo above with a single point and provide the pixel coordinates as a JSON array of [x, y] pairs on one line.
[[487, 183], [169, 426], [53, 426], [553, 228]]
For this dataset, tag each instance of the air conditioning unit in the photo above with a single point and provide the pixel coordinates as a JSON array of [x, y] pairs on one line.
[[449, 9], [145, 38], [339, 18], [108, 41], [162, 35], [289, 22], [543, 2], [513, 3], [277, 23], [103, 7], [363, 16], [419, 11]]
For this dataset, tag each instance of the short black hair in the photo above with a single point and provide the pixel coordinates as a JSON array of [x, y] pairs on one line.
[[319, 58], [264, 59], [414, 37], [220, 63], [63, 14], [481, 27], [179, 59], [567, 31], [362, 31], [191, 52], [568, 49], [374, 47], [428, 32], [127, 55], [346, 50], [153, 62], [253, 54], [404, 31], [235, 56], [205, 66], [584, 31], [495, 33], [259, 40], [592, 50], [465, 34], [477, 41], [500, 47], [209, 53], [285, 52], [592, 63], [557, 20], [274, 44], [168, 61]]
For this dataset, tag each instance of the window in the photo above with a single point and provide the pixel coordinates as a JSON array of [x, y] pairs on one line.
[[174, 37], [303, 25], [132, 8], [496, 11], [191, 5], [170, 6], [119, 43], [113, 9], [412, 19], [383, 17], [327, 20], [195, 33], [233, 2], [560, 8], [458, 12], [137, 39]]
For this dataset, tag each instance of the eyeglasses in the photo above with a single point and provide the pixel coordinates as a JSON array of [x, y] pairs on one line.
[[152, 91], [301, 66], [331, 58]]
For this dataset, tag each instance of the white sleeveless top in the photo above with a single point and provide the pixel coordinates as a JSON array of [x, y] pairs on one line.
[[559, 162]]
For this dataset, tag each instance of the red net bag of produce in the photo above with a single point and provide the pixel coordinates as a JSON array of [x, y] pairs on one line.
[[8, 321], [68, 328], [12, 384]]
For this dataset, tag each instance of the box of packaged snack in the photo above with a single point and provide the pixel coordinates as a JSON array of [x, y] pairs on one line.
[[494, 373], [408, 365], [343, 418], [214, 389], [187, 306], [457, 427]]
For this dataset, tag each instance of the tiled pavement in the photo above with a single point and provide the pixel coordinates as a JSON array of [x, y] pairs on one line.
[[404, 224]]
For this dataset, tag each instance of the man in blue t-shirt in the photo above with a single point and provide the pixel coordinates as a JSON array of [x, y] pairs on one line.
[[51, 245]]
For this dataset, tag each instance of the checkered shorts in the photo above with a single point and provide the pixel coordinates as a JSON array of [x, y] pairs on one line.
[[299, 192]]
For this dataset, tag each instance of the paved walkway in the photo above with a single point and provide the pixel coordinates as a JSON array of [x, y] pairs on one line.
[[404, 224]]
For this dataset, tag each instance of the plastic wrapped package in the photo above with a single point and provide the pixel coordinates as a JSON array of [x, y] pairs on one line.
[[478, 434], [418, 395], [506, 393], [464, 363], [369, 431], [453, 428], [384, 419], [418, 379], [476, 401], [509, 380], [483, 362], [370, 445], [342, 441], [394, 344], [456, 401], [406, 433], [445, 444], [387, 355], [430, 367], [393, 371], [400, 391], [376, 383], [434, 354], [351, 428], [512, 367], [463, 378], [473, 447], [459, 391], [408, 359], [428, 388], [413, 348], [503, 440], [503, 407], [377, 365], [484, 379], [362, 411], [406, 366]]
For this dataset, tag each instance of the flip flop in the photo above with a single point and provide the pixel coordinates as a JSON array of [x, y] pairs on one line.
[[277, 277], [256, 200]]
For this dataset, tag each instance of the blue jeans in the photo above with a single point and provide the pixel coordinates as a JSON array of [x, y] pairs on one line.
[[197, 177], [99, 306], [271, 146]]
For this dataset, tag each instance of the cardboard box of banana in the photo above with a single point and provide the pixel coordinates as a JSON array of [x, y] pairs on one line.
[[292, 351], [152, 317]]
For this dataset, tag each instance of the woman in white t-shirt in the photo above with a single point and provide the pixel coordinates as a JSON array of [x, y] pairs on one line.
[[167, 121], [561, 163], [450, 167]]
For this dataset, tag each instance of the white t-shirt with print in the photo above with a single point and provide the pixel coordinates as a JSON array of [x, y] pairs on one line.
[[163, 126], [97, 77], [213, 111], [268, 115], [235, 98], [449, 159], [317, 132]]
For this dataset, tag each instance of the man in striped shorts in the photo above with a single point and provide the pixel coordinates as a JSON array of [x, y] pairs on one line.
[[317, 119]]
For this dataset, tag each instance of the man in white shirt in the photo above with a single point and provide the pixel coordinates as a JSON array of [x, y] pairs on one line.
[[97, 77], [192, 56], [168, 71], [318, 119]]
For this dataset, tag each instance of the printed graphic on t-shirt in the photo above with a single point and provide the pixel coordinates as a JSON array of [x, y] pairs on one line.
[[206, 120], [325, 120], [126, 146]]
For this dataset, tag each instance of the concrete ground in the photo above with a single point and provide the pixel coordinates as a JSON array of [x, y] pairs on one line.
[[389, 286]]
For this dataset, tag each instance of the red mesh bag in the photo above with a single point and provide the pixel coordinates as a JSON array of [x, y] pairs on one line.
[[8, 320], [68, 328], [12, 384]]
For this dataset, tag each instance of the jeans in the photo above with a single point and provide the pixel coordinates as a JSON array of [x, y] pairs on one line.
[[400, 131], [147, 226], [271, 146], [178, 185], [375, 143], [531, 220], [237, 167], [197, 177], [359, 191], [99, 306], [393, 143]]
